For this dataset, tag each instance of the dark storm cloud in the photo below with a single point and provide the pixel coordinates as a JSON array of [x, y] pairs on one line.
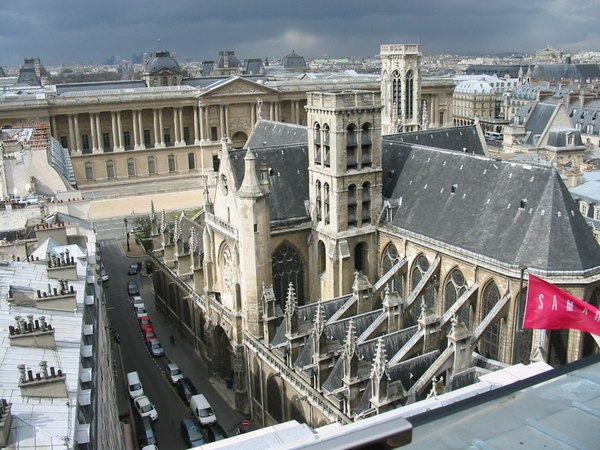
[[73, 31]]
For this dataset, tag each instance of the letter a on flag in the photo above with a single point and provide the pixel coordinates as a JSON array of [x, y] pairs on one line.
[[550, 308]]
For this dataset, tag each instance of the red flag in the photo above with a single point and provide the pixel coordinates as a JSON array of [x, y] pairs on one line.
[[551, 308]]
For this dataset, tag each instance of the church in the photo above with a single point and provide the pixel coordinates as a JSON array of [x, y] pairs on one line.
[[338, 271]]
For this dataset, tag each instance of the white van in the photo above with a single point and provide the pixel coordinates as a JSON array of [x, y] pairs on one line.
[[134, 385], [202, 410]]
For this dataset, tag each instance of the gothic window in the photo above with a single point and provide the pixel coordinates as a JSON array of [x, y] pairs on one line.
[[366, 203], [524, 337], [322, 258], [110, 168], [318, 201], [256, 375], [151, 164], [287, 268], [326, 203], [397, 93], [390, 259], [361, 252], [428, 292], [366, 146], [171, 159], [191, 161], [489, 344], [274, 406], [351, 145], [228, 277], [326, 145], [130, 167], [89, 171], [318, 155], [352, 206], [455, 287], [409, 95]]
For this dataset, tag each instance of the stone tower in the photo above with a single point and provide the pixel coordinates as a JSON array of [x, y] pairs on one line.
[[400, 87], [344, 139]]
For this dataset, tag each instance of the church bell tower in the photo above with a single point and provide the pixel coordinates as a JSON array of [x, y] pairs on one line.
[[401, 87], [344, 139]]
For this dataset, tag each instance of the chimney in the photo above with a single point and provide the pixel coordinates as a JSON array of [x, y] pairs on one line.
[[44, 385], [5, 422]]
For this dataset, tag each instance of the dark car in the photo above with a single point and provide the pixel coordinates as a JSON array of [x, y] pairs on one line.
[[132, 288], [215, 432], [146, 433], [192, 432], [156, 349], [133, 269], [186, 388]]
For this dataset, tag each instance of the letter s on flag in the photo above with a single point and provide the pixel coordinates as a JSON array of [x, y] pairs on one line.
[[570, 311]]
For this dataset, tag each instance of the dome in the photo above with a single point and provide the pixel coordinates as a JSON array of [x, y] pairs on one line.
[[161, 60], [474, 87]]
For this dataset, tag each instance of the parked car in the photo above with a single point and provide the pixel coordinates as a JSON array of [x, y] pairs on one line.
[[140, 310], [145, 408], [202, 410], [133, 269], [137, 300], [155, 347], [134, 385], [174, 373], [103, 274], [186, 389], [132, 288], [146, 433], [145, 324], [215, 432], [149, 447], [192, 432], [149, 334]]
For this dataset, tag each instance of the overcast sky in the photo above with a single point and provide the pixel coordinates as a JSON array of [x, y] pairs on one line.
[[81, 31]]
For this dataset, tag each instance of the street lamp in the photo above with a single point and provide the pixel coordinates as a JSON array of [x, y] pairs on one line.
[[126, 233]]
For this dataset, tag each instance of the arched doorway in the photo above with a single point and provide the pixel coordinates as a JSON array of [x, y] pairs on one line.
[[222, 354]]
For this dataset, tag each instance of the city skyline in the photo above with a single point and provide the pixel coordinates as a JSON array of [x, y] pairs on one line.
[[72, 32]]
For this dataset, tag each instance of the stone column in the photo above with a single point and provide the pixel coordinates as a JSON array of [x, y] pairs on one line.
[[297, 109], [222, 120], [156, 127], [206, 124], [93, 132], [72, 146], [161, 129], [202, 123], [278, 111], [141, 129], [176, 125], [77, 134], [252, 115], [53, 128], [227, 121], [196, 123], [115, 130], [121, 148], [181, 135], [100, 145], [271, 116], [136, 144]]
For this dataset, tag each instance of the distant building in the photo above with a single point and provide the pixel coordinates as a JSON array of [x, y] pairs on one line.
[[293, 61]]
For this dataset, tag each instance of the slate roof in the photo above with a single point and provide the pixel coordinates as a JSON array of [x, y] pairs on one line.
[[456, 138], [484, 214], [268, 133], [537, 121], [288, 178], [557, 72]]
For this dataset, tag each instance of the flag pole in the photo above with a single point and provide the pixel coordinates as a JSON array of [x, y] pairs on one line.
[[518, 319]]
